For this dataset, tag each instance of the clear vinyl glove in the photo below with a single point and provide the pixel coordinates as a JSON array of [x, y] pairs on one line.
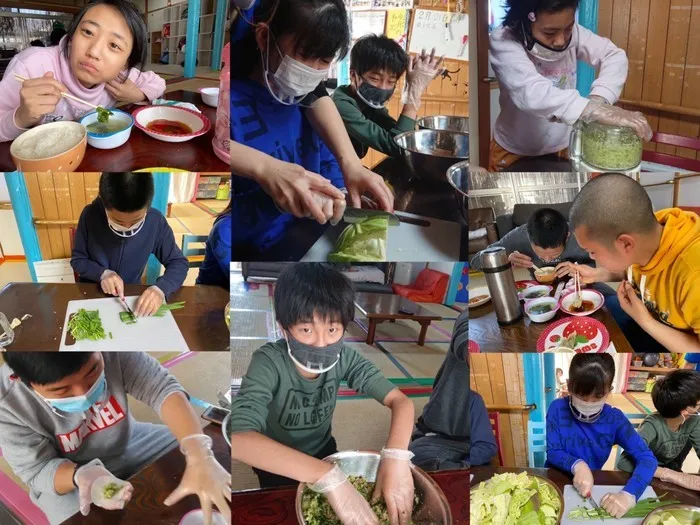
[[204, 477], [97, 486], [149, 302], [598, 111], [422, 70], [349, 505], [583, 478], [332, 209], [395, 484], [112, 284], [618, 503]]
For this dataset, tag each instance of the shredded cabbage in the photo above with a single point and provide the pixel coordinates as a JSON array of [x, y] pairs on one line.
[[362, 242]]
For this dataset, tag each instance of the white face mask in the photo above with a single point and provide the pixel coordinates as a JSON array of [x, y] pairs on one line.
[[123, 231], [542, 52], [586, 411], [293, 80], [696, 414]]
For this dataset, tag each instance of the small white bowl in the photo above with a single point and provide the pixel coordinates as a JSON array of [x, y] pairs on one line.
[[587, 295], [198, 123], [210, 96], [476, 292], [108, 140], [196, 517], [528, 294], [542, 318]]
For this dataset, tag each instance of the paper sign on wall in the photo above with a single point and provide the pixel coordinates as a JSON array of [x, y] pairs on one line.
[[447, 32], [367, 22], [392, 4], [397, 26], [360, 5]]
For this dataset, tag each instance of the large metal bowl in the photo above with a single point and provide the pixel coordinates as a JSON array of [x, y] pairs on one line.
[[444, 122], [429, 153], [224, 429], [434, 508], [458, 178], [695, 512]]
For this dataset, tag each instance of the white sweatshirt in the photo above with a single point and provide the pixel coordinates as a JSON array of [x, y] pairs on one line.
[[539, 101]]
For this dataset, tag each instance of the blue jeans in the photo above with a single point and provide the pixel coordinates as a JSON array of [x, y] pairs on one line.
[[640, 341]]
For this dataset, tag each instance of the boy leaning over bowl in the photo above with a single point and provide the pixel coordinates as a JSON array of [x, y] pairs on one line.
[[281, 418], [545, 241], [656, 256], [118, 232]]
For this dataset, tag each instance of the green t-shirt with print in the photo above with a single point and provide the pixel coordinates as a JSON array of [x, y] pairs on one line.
[[277, 401]]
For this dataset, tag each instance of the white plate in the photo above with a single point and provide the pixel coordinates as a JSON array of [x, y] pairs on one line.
[[483, 290]]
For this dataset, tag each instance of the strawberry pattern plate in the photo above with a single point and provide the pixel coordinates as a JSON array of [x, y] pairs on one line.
[[473, 347], [521, 285], [590, 335]]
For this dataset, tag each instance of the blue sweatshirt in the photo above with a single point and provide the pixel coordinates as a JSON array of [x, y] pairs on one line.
[[262, 123], [569, 440], [483, 442], [97, 248], [216, 268]]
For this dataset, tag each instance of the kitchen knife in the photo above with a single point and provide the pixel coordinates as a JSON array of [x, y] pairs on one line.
[[597, 508], [129, 310], [355, 215]]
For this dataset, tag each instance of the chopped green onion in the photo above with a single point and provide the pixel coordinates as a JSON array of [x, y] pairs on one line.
[[86, 324], [128, 318]]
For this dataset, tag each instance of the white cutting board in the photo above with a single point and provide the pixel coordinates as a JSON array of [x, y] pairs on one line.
[[436, 242], [572, 499], [148, 334]]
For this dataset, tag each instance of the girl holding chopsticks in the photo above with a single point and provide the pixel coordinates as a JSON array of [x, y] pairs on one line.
[[95, 62]]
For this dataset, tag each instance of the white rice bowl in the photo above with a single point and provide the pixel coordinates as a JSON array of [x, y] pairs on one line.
[[48, 140]]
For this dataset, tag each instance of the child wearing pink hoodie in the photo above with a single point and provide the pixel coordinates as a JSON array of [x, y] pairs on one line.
[[96, 62]]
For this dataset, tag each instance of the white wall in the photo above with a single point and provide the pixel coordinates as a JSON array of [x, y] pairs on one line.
[[662, 196], [9, 232], [690, 192]]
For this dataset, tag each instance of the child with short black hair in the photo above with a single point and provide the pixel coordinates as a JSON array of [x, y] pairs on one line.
[[118, 232], [281, 418], [582, 429], [673, 429], [66, 429]]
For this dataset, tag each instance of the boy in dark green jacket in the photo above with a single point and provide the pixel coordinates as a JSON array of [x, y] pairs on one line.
[[376, 65]]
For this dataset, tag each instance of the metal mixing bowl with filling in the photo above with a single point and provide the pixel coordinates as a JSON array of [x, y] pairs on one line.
[[430, 153], [444, 122]]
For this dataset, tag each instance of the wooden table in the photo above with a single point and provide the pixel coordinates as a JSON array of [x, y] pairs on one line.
[[600, 477], [522, 336], [276, 506], [142, 151], [152, 485], [201, 322], [380, 307]]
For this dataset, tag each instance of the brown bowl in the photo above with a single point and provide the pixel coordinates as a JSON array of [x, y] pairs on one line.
[[434, 508], [546, 277], [692, 509], [69, 160]]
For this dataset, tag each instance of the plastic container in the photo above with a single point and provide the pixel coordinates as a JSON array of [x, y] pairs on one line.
[[605, 147], [222, 131]]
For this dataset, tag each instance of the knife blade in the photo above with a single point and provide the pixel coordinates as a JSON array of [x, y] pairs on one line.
[[129, 310], [596, 507], [355, 215]]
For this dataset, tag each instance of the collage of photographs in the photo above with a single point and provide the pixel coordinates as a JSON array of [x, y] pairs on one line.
[[349, 262]]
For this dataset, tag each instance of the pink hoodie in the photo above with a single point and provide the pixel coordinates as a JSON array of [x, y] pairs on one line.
[[33, 62]]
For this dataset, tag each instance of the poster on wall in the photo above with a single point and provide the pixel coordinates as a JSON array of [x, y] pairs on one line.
[[447, 32], [392, 4], [367, 22], [360, 5], [397, 26]]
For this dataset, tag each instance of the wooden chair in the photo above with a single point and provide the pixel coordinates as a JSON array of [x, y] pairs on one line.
[[536, 441], [195, 256], [673, 160], [494, 419]]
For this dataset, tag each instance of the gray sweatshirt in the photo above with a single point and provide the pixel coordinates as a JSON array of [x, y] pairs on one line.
[[35, 441], [519, 240]]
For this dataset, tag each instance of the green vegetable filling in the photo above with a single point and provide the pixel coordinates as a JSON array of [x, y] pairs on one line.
[[641, 510], [610, 151], [103, 114], [110, 490], [86, 325]]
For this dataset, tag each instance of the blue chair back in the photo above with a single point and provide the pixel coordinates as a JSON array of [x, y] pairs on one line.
[[188, 251], [536, 443]]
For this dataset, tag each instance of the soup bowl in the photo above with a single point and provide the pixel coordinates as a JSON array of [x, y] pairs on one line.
[[112, 139]]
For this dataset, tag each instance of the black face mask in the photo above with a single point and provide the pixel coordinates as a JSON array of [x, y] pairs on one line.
[[373, 96]]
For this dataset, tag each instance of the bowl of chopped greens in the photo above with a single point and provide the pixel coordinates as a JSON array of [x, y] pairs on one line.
[[516, 498], [430, 504], [677, 514]]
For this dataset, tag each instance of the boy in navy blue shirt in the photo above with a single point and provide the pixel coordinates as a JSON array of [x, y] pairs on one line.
[[117, 233], [582, 429]]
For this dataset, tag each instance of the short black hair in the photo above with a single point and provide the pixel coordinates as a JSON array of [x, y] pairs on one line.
[[134, 20], [610, 205], [517, 10], [320, 29], [45, 368], [126, 192], [378, 52], [56, 35], [303, 289], [591, 374], [36, 43], [547, 228], [678, 390]]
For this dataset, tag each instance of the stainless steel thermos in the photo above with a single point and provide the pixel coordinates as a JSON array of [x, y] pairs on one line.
[[501, 283]]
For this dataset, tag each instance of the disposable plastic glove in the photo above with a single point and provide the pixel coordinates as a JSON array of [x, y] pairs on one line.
[[583, 479], [349, 505], [92, 479], [395, 483], [333, 209], [422, 70], [204, 476], [598, 111], [112, 284], [618, 503]]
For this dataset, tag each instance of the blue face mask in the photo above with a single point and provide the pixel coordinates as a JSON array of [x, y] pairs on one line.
[[79, 404]]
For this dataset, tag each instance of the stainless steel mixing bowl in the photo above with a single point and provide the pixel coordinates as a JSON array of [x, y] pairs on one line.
[[458, 178], [444, 122], [434, 508], [429, 153]]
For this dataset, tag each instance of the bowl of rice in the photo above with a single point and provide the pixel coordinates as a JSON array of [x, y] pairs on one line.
[[57, 146]]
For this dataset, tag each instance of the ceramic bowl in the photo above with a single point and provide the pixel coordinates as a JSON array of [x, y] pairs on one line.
[[210, 96], [542, 318], [109, 140], [197, 122], [546, 275], [67, 160], [535, 292], [594, 296]]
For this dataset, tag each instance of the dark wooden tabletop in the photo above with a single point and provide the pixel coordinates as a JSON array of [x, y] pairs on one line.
[[142, 151], [543, 163], [152, 485], [522, 336], [201, 322], [600, 477], [390, 306], [276, 506]]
